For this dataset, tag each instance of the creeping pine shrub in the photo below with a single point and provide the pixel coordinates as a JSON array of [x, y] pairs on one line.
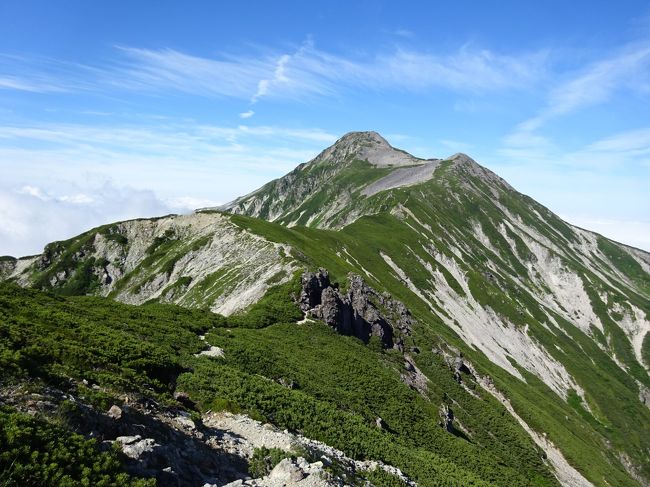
[[34, 452], [264, 460]]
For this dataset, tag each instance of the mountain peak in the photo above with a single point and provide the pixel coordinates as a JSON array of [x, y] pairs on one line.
[[467, 165], [368, 136], [367, 146]]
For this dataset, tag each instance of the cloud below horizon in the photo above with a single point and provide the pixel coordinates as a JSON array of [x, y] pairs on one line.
[[30, 216]]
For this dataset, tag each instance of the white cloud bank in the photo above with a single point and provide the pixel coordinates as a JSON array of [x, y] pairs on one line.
[[62, 179], [30, 216]]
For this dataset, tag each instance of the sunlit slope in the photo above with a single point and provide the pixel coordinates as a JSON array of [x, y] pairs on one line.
[[551, 320]]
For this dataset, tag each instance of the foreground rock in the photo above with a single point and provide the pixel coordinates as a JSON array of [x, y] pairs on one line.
[[292, 472], [165, 443], [241, 435]]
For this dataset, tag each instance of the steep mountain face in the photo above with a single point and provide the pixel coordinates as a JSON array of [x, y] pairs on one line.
[[201, 261], [327, 191], [499, 306]]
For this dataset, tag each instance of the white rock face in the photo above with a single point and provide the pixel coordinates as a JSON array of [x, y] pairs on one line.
[[20, 269], [564, 472], [241, 435], [215, 263], [568, 296], [558, 287], [496, 337], [245, 260], [636, 327]]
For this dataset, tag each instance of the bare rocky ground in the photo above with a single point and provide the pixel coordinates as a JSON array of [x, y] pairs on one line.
[[241, 435], [178, 449], [404, 176]]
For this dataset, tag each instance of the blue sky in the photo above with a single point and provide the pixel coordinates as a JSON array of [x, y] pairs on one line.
[[113, 110]]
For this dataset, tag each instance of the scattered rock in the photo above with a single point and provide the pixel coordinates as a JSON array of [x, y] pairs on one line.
[[459, 368], [115, 412], [446, 418], [211, 352], [288, 383], [135, 447], [241, 435], [413, 377], [185, 423], [287, 470]]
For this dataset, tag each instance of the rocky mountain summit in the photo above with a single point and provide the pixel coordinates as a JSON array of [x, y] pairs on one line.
[[366, 146], [422, 314], [324, 190]]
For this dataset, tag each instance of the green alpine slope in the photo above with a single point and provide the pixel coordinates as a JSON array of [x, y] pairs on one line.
[[532, 332]]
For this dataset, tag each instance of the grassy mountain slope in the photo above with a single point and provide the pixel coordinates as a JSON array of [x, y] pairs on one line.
[[65, 343], [551, 320]]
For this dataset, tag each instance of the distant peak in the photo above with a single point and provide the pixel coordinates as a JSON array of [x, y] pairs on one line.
[[468, 165], [367, 136], [461, 156], [367, 146]]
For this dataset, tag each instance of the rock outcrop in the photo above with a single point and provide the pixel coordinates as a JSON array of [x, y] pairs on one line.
[[414, 377], [361, 312]]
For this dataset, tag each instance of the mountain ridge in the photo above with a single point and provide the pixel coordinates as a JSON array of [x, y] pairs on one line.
[[320, 192], [551, 320]]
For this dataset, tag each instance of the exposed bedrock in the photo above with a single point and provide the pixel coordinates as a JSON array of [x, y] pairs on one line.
[[361, 311]]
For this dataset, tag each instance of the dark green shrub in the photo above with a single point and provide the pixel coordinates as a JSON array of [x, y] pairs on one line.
[[36, 453], [264, 460]]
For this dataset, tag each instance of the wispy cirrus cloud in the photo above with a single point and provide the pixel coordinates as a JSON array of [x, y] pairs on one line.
[[168, 69], [630, 143], [30, 85], [309, 71], [44, 75], [629, 70], [611, 153], [409, 34], [294, 74], [291, 75]]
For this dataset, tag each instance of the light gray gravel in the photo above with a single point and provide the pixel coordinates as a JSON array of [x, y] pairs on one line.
[[404, 176]]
